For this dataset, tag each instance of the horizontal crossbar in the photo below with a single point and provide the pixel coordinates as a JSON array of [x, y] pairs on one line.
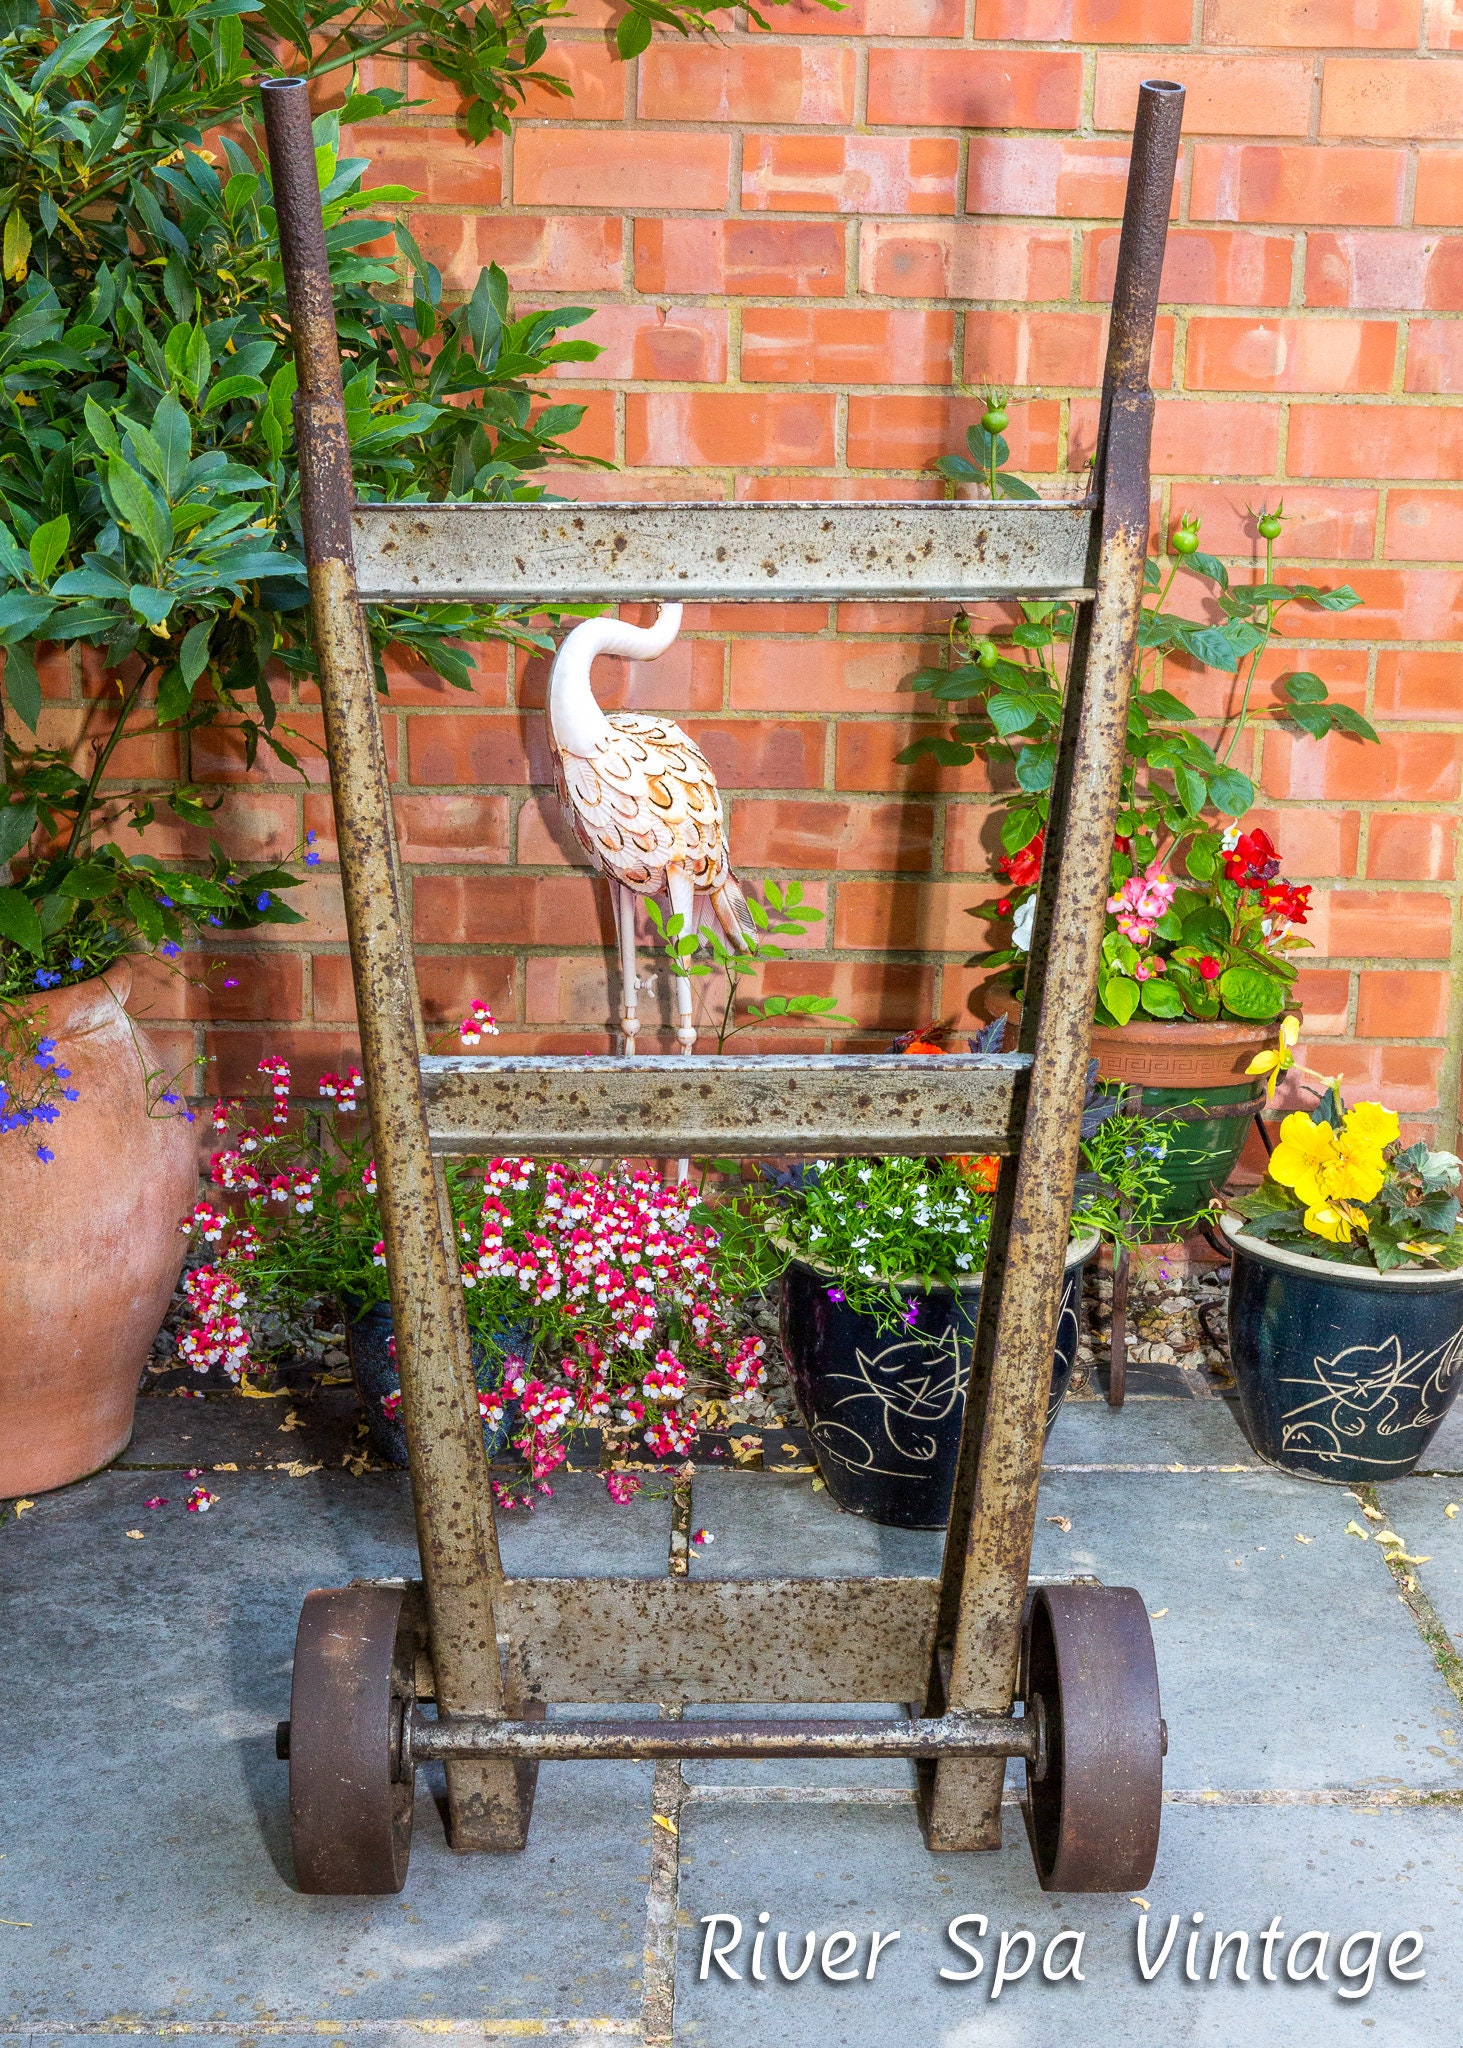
[[747, 1105], [729, 1641], [957, 550], [478, 1736]]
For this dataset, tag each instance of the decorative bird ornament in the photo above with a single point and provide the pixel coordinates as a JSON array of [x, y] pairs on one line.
[[642, 802]]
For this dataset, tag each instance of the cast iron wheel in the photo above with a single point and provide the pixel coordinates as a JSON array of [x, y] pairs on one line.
[[1093, 1814], [350, 1808]]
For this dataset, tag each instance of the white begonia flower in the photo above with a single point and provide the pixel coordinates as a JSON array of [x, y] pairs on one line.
[[1231, 839], [1021, 926]]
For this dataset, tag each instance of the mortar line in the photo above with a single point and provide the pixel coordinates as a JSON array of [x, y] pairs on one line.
[[1425, 1617]]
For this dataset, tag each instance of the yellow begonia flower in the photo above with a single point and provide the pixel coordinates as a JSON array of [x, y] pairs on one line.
[[1369, 1124], [1328, 1220], [1358, 1174], [1303, 1155], [1275, 1063]]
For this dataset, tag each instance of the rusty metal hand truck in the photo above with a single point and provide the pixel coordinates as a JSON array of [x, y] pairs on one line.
[[961, 1653]]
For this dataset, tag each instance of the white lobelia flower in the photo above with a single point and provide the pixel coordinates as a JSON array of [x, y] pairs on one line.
[[1021, 927]]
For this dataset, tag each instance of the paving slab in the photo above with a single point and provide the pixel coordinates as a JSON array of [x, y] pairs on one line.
[[822, 1868], [1445, 1452], [144, 1821], [1260, 1637], [1149, 1432], [766, 1526]]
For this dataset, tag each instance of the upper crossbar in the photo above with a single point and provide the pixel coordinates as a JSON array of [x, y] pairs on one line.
[[951, 550], [750, 1105]]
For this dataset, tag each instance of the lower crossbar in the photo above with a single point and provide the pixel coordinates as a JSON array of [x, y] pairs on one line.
[[952, 1735]]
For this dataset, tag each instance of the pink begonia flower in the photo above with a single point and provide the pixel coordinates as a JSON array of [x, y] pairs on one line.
[[1141, 902], [1150, 965]]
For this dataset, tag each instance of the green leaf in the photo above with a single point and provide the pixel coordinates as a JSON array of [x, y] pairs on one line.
[[48, 545], [1159, 1000], [1302, 687], [1210, 566], [15, 253], [1201, 860], [74, 52], [1009, 713], [228, 389], [1120, 996], [99, 426], [17, 823], [22, 615], [1249, 993], [137, 508], [19, 923], [1231, 792], [22, 687], [1019, 827], [1191, 788], [633, 34], [1034, 768], [150, 603], [193, 654], [1342, 599]]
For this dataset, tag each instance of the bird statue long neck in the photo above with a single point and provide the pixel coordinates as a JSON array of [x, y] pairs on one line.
[[575, 720]]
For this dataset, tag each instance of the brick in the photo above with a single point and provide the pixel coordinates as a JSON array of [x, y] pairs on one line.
[[1194, 437], [476, 747], [692, 429], [905, 432], [218, 752], [1226, 95], [1401, 272], [596, 79], [1314, 844], [1411, 924], [1411, 846], [838, 487], [1086, 21], [930, 917], [527, 910], [1434, 356], [1059, 177], [1215, 696], [1416, 683], [656, 344], [1406, 1004], [975, 260], [789, 834], [1315, 24], [444, 167], [972, 839], [772, 258], [1414, 99], [234, 1058], [756, 618], [453, 826], [860, 174], [1422, 442], [1290, 355], [975, 88], [544, 836], [1445, 26], [1424, 766], [448, 982], [844, 676], [1325, 997], [1299, 184], [1425, 526], [1330, 524], [620, 167], [872, 18], [1202, 266], [757, 81], [843, 346], [576, 990], [1396, 604], [866, 750], [239, 987], [1437, 199], [686, 678], [762, 753], [883, 995], [1405, 1077], [595, 434], [1017, 349], [563, 253]]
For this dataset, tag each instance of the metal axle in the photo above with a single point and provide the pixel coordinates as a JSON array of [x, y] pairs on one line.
[[963, 1735]]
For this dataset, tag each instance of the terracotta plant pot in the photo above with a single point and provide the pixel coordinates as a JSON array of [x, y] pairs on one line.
[[90, 1248], [1178, 1064]]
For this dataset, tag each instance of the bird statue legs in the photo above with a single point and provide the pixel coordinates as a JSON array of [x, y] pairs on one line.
[[623, 902], [682, 892]]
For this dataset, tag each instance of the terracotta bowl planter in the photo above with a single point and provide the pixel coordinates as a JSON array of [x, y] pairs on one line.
[[1176, 1064], [90, 1248]]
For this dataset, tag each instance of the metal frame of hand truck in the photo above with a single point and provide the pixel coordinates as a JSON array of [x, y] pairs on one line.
[[960, 1653]]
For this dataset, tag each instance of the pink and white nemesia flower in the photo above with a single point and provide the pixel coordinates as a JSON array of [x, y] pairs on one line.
[[478, 1021]]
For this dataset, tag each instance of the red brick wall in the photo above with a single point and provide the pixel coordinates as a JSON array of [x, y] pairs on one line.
[[808, 250]]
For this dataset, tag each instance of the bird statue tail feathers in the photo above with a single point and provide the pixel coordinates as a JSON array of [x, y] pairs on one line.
[[732, 913]]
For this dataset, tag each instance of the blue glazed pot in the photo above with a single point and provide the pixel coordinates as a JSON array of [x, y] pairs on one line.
[[885, 1409], [373, 1368], [1344, 1373]]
